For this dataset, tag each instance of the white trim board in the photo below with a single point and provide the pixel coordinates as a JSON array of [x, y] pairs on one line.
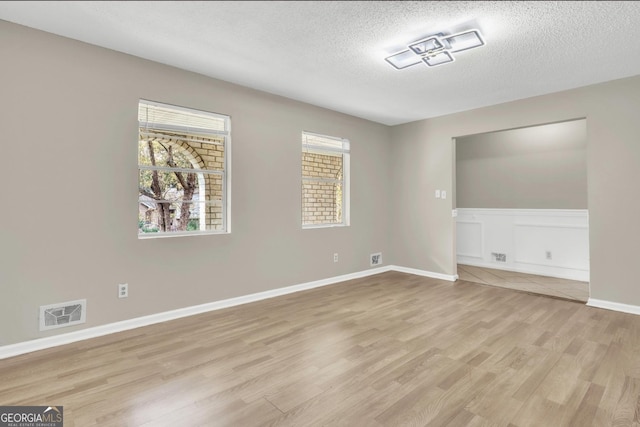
[[615, 306], [448, 277], [569, 274], [524, 212], [125, 325]]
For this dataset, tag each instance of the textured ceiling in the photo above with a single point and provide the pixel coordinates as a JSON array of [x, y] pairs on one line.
[[331, 54]]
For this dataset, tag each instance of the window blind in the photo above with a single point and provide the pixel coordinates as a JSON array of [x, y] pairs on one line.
[[159, 117], [312, 142]]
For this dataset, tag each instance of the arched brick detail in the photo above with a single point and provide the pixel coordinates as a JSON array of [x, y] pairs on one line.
[[206, 156], [191, 153]]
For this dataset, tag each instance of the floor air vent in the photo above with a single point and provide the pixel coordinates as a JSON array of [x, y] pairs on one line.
[[63, 314]]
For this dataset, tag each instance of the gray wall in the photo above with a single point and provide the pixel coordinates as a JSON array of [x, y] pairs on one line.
[[68, 226], [539, 167], [423, 234]]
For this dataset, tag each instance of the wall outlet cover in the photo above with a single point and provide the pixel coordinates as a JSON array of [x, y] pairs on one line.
[[123, 290]]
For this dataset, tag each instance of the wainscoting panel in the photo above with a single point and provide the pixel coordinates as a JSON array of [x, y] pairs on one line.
[[548, 242], [471, 245]]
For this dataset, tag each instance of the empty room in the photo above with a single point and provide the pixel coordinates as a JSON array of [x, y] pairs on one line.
[[309, 213]]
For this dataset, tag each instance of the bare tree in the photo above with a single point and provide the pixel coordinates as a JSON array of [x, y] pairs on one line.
[[185, 184], [188, 187]]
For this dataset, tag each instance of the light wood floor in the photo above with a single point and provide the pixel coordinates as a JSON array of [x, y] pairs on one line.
[[388, 350], [561, 288]]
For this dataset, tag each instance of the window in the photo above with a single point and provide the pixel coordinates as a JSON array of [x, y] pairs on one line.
[[183, 169], [325, 181]]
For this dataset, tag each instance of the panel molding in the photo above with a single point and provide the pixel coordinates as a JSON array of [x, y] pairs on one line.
[[543, 225], [481, 224], [526, 237], [525, 212]]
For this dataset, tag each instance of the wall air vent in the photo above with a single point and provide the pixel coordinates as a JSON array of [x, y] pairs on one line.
[[375, 259], [498, 257], [63, 314]]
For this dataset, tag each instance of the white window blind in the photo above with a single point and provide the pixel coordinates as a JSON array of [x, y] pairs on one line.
[[312, 141], [156, 116]]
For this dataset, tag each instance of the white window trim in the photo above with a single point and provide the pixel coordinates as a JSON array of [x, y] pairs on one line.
[[225, 173]]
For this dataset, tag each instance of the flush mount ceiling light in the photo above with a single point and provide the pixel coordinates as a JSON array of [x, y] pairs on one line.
[[435, 50]]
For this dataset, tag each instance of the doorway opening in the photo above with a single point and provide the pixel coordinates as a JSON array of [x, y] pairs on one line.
[[522, 214]]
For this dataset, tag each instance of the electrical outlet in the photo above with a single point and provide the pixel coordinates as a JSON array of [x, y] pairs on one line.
[[548, 254], [123, 290], [335, 257]]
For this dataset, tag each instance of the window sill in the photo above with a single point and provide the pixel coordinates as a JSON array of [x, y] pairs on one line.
[[316, 226], [151, 236]]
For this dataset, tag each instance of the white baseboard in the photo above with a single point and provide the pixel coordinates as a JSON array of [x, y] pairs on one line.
[[569, 274], [448, 277], [615, 306], [97, 331]]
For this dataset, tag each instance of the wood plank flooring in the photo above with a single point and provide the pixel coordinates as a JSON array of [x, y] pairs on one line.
[[388, 350], [544, 285]]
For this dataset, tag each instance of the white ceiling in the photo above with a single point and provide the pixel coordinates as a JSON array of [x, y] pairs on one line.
[[331, 54]]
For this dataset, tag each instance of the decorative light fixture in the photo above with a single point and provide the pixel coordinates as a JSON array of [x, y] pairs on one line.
[[435, 50]]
